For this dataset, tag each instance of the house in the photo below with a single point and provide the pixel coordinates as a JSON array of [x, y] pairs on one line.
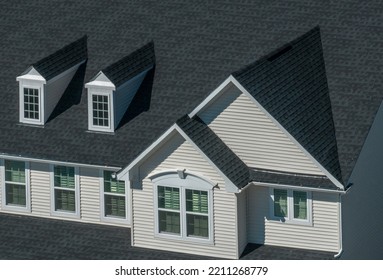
[[118, 126]]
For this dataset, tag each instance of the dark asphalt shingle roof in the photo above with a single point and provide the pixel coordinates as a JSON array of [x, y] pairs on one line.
[[26, 238], [131, 65], [216, 150], [63, 59], [291, 84], [197, 45], [291, 179]]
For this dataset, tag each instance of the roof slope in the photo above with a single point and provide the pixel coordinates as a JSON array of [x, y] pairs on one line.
[[131, 65], [198, 44], [216, 150], [291, 85], [63, 59]]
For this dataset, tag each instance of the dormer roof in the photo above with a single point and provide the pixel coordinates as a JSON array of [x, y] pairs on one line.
[[62, 60], [130, 66]]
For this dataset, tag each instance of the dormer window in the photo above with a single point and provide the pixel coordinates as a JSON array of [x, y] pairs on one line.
[[101, 110], [100, 104], [32, 104], [44, 82], [112, 90], [31, 99]]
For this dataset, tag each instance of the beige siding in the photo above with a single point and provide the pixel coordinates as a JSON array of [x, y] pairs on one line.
[[236, 119], [322, 235], [242, 215], [178, 153], [90, 194], [40, 189]]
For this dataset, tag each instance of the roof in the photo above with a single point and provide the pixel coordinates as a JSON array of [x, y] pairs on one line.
[[26, 237], [197, 46], [291, 179], [291, 84], [216, 150], [63, 59], [131, 65]]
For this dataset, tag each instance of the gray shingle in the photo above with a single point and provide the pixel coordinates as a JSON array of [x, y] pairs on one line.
[[131, 65], [217, 151], [63, 59]]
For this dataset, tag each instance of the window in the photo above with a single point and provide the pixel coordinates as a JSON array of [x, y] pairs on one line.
[[65, 191], [183, 207], [31, 104], [100, 107], [16, 185], [291, 205], [114, 197]]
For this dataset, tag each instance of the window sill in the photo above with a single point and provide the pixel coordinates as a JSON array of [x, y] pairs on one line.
[[115, 220], [277, 220], [65, 214], [15, 208], [183, 240]]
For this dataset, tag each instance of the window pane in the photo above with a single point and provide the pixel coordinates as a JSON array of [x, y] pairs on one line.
[[113, 185], [31, 103], [15, 194], [197, 225], [100, 110], [115, 206], [64, 177], [300, 205], [196, 201], [168, 198], [15, 171], [280, 203], [65, 200], [169, 222]]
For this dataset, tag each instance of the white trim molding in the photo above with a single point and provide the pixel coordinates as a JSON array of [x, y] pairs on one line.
[[76, 190], [16, 208], [109, 219], [190, 182], [289, 218]]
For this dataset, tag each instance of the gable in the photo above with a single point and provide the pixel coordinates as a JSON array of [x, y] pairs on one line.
[[253, 136]]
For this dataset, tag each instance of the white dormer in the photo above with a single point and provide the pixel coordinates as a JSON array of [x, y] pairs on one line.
[[100, 104], [31, 97], [112, 90], [42, 85]]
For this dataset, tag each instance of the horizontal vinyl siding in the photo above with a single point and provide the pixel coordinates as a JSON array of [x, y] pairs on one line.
[[40, 189], [322, 235], [90, 194], [236, 119], [180, 154]]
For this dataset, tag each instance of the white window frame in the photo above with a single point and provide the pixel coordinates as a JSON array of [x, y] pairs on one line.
[[290, 208], [93, 91], [16, 208], [30, 84], [62, 213], [109, 219], [187, 181]]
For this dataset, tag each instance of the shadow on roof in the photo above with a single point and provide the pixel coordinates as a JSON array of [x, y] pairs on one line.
[[142, 99], [72, 94]]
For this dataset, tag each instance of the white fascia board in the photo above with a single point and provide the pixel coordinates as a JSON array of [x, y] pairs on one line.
[[324, 170], [56, 162], [100, 80], [230, 186], [31, 75], [124, 173], [211, 97]]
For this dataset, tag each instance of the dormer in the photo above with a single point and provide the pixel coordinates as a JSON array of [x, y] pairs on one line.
[[44, 82], [112, 90]]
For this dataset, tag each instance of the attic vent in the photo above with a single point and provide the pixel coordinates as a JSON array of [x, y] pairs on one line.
[[279, 53]]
